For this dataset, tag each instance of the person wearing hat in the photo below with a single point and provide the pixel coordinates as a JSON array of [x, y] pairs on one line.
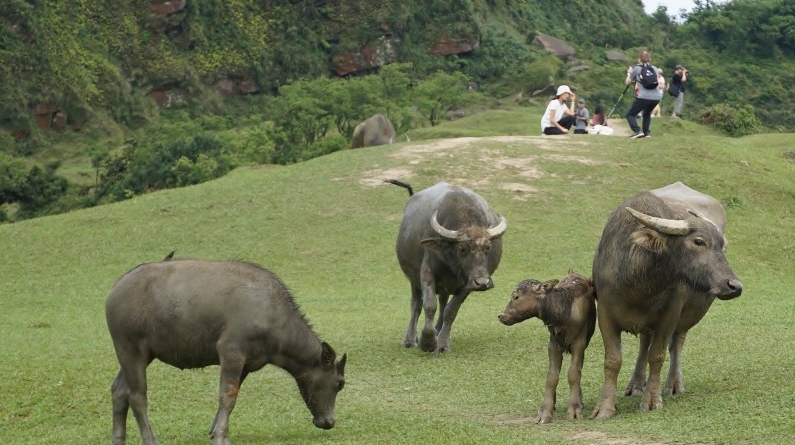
[[581, 116], [558, 117], [678, 86]]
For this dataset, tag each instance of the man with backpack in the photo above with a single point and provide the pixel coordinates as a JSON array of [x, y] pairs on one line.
[[647, 94]]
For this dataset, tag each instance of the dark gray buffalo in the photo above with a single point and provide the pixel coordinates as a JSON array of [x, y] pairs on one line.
[[449, 243], [192, 314], [658, 266], [678, 194], [376, 130], [569, 312]]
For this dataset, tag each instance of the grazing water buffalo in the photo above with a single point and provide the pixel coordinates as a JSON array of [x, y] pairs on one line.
[[569, 312], [377, 130], [658, 265], [192, 314], [449, 243]]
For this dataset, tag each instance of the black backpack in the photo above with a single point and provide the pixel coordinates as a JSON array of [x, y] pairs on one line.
[[647, 77]]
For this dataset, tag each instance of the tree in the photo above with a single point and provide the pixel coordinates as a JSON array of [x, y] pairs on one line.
[[440, 93]]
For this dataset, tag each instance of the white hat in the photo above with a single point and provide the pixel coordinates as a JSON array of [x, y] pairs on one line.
[[563, 89]]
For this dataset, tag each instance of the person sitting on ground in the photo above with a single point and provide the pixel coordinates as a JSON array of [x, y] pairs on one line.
[[581, 116], [599, 117], [558, 117]]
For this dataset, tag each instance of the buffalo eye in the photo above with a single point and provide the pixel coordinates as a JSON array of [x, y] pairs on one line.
[[699, 242], [341, 385]]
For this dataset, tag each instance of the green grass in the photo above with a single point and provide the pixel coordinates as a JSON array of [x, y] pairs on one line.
[[327, 227]]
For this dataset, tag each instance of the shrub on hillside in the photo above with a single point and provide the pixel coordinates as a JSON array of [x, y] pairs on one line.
[[734, 122]]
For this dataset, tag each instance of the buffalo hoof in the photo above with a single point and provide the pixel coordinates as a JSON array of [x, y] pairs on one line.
[[428, 341], [651, 403], [574, 413], [407, 343], [542, 418], [601, 412], [444, 349], [635, 388], [675, 389]]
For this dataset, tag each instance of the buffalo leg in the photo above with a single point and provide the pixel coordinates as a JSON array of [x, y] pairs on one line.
[[611, 336], [428, 283], [133, 370], [547, 408], [675, 384], [652, 394], [120, 393], [410, 339], [442, 306], [637, 382], [450, 313], [232, 364], [575, 377]]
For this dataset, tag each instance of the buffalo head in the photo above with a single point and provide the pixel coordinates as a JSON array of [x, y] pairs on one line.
[[466, 250]]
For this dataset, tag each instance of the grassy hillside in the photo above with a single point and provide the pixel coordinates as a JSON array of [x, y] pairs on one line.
[[328, 226]]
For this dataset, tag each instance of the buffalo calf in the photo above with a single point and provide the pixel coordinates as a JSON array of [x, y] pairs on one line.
[[569, 312]]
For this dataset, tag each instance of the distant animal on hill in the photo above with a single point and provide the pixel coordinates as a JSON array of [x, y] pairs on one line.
[[449, 243], [658, 266], [194, 313], [377, 130], [569, 312]]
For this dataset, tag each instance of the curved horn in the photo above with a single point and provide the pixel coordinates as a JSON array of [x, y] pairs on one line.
[[499, 229], [447, 233], [667, 226]]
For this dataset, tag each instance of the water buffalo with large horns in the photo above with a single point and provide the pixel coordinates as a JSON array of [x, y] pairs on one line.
[[449, 243], [658, 265], [194, 313]]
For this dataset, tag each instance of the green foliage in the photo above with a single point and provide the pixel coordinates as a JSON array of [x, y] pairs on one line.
[[440, 93], [733, 121], [145, 167]]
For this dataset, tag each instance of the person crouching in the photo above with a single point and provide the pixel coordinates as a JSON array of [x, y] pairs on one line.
[[558, 117]]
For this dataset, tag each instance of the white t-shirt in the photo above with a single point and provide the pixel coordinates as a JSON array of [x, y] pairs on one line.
[[560, 112]]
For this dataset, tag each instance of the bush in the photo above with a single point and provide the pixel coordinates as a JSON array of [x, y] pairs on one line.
[[734, 122]]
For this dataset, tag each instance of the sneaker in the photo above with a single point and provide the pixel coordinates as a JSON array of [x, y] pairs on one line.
[[673, 116], [647, 136], [637, 135]]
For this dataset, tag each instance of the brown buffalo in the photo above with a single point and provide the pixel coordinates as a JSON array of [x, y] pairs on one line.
[[377, 130], [569, 312], [192, 314], [449, 243], [658, 265]]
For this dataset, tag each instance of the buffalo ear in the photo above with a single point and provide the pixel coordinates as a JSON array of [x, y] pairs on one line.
[[434, 243], [549, 285], [649, 239], [327, 355], [341, 364]]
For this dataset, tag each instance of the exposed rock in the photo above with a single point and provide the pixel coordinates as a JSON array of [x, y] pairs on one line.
[[559, 48], [615, 56], [166, 8], [230, 86], [166, 97], [366, 57], [446, 47], [58, 120]]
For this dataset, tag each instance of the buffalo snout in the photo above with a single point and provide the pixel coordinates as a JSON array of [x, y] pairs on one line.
[[481, 283], [734, 288], [325, 423], [506, 319]]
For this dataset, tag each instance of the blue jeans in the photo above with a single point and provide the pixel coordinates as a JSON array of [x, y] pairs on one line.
[[641, 105]]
